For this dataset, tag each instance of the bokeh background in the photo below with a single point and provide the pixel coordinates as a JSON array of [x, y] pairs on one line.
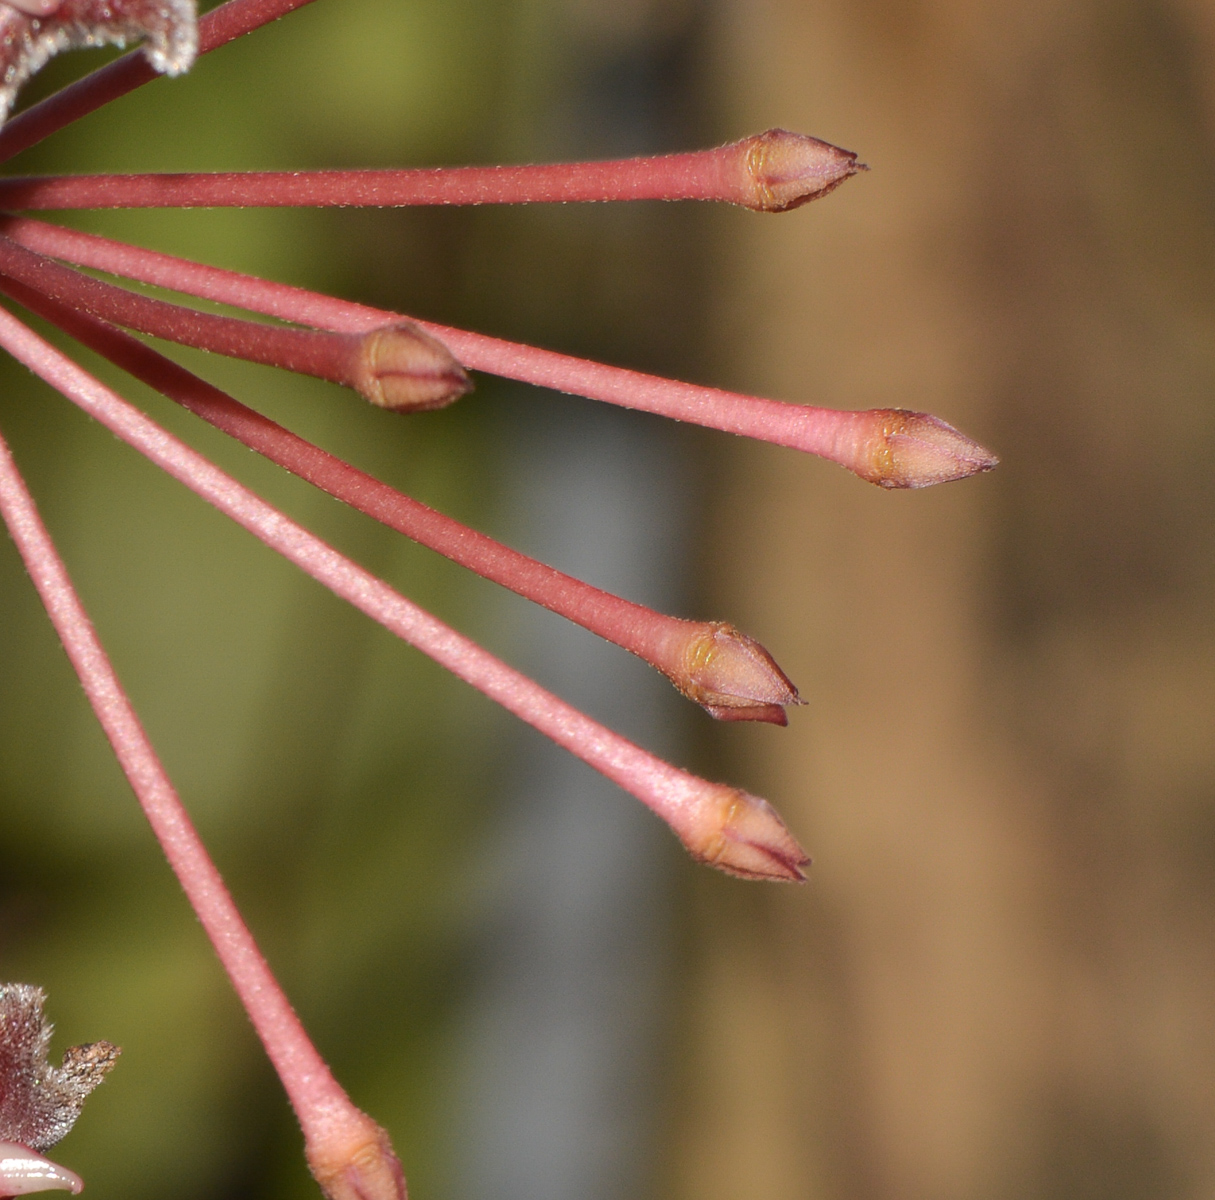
[[999, 980]]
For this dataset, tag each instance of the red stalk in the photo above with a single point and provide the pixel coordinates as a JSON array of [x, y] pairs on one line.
[[890, 447], [349, 1153], [725, 671], [720, 825], [217, 28], [770, 172], [396, 366]]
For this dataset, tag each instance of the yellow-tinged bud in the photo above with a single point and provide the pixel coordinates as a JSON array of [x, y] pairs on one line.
[[355, 1161], [787, 169], [915, 450], [742, 835], [731, 675]]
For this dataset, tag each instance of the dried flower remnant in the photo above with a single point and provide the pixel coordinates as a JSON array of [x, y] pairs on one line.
[[33, 31], [39, 1103]]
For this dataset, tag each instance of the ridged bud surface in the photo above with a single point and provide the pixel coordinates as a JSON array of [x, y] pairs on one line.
[[742, 835], [905, 449], [786, 170], [402, 368], [355, 1161], [731, 675]]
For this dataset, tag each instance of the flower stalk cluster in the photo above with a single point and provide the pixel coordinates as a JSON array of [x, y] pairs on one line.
[[407, 365]]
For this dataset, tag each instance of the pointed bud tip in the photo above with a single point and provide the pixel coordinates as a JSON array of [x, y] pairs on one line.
[[756, 844], [401, 368], [742, 835], [732, 676], [787, 170], [916, 450]]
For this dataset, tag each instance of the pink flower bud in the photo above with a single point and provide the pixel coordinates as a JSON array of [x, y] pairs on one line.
[[728, 673], [896, 448], [738, 833], [402, 368], [785, 170], [354, 1160]]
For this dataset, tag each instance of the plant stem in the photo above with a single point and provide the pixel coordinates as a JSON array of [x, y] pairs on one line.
[[729, 674], [325, 1113], [770, 172], [718, 824], [871, 443], [396, 366], [219, 26]]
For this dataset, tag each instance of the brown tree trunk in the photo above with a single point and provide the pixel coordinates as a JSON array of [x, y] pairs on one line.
[[999, 980]]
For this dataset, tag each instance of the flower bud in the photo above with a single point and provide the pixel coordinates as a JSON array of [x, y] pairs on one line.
[[401, 368], [786, 170], [354, 1160], [913, 450], [729, 674], [742, 835]]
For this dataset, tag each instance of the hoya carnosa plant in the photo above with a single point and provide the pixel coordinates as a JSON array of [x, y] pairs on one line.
[[406, 365]]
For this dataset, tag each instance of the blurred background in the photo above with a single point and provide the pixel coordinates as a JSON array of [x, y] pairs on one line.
[[998, 982]]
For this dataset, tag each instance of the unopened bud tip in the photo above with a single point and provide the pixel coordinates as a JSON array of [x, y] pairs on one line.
[[401, 368], [771, 714], [789, 169], [742, 835], [916, 450], [731, 675]]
